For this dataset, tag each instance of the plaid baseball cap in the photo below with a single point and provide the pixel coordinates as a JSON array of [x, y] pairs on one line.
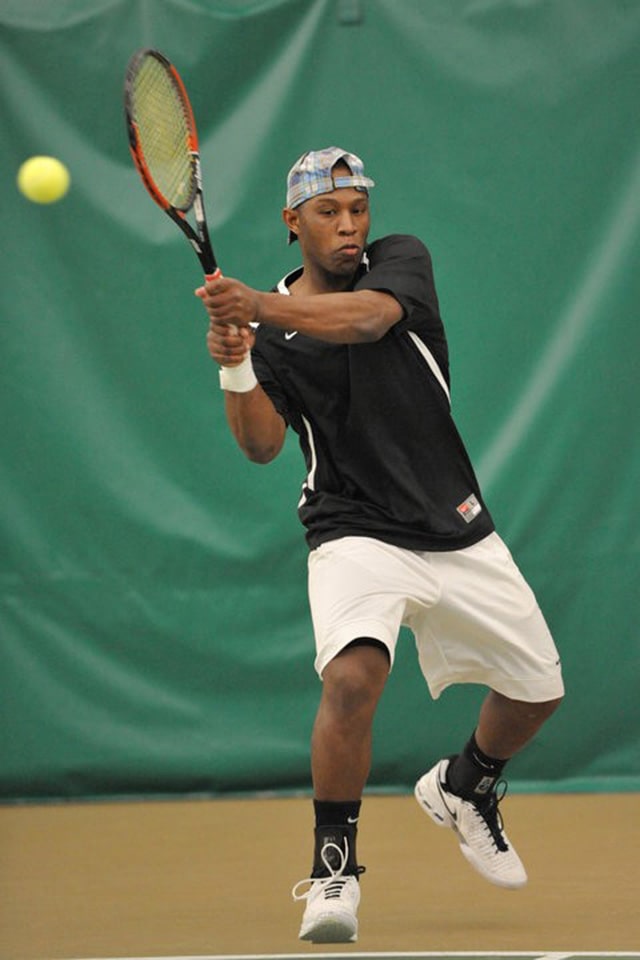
[[312, 175]]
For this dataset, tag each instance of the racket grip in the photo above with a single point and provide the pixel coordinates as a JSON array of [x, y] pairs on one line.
[[217, 273]]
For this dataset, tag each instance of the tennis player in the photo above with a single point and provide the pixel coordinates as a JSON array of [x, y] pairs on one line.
[[350, 352]]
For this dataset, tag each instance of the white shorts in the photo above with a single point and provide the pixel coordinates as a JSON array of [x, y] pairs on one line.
[[474, 617]]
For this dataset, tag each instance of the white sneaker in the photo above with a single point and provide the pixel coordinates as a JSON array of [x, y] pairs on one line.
[[332, 902], [478, 825]]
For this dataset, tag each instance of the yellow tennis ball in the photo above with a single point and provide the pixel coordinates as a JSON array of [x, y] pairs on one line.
[[43, 179]]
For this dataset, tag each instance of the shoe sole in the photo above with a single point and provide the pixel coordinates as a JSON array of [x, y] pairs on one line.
[[331, 929]]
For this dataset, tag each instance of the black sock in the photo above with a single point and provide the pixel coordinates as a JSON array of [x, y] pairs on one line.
[[335, 823], [472, 774], [328, 813]]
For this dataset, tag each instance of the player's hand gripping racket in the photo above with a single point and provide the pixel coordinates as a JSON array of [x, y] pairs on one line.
[[164, 145]]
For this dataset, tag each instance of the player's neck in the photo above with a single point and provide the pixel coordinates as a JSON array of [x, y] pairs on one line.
[[315, 281]]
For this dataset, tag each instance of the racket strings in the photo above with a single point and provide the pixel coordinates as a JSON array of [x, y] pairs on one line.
[[164, 133]]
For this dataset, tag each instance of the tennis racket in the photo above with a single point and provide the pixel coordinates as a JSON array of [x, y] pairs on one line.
[[164, 145]]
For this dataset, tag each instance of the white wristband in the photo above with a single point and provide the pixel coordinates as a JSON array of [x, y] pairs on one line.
[[240, 379]]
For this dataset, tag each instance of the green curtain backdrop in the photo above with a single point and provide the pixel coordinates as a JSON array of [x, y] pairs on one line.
[[154, 632]]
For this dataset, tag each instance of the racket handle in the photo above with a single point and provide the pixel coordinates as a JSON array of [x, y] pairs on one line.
[[216, 276]]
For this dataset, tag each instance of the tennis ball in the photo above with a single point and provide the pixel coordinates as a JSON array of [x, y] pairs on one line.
[[43, 179]]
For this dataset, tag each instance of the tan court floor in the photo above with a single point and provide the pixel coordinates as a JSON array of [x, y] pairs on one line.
[[214, 877]]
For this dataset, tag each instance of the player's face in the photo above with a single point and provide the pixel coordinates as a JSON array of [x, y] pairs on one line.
[[332, 230]]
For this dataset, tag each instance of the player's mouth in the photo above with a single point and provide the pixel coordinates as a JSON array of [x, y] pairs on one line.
[[349, 250]]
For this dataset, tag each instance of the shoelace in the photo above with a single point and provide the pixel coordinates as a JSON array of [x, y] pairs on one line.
[[333, 885], [492, 817]]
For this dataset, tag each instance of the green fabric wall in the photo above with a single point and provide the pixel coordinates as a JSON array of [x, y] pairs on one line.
[[154, 633]]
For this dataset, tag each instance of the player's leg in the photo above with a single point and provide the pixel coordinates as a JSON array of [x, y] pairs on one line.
[[505, 725], [501, 640], [357, 595], [340, 760], [341, 741]]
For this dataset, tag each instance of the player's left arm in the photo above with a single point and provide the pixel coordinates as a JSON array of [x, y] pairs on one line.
[[359, 316]]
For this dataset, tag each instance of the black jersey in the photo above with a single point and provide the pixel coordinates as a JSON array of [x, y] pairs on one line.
[[383, 456]]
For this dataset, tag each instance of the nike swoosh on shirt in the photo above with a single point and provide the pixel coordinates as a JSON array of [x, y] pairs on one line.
[[289, 334]]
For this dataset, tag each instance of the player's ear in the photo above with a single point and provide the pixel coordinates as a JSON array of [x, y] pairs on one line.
[[291, 220]]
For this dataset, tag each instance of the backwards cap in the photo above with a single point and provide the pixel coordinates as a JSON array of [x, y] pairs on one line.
[[312, 175]]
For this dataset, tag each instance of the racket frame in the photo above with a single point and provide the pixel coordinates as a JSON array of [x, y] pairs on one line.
[[199, 238]]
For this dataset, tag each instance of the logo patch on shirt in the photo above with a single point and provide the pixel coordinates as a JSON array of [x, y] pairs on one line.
[[470, 508]]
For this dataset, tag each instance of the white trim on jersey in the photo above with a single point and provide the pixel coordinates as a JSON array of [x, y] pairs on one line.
[[311, 476], [431, 361]]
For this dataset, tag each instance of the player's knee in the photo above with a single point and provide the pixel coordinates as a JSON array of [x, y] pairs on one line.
[[550, 706], [536, 711], [354, 680]]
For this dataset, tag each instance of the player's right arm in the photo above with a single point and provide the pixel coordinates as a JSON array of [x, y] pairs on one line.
[[258, 428]]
